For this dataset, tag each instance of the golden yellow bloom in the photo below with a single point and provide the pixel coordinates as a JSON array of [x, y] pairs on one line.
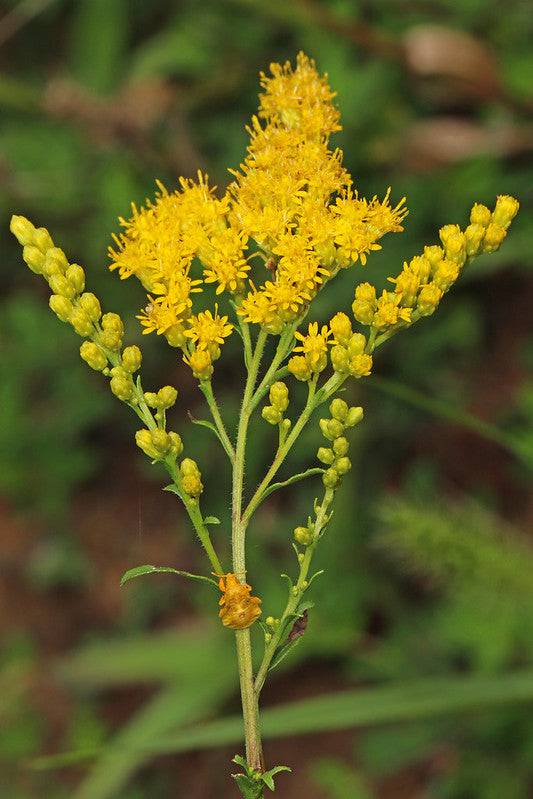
[[299, 99], [238, 608], [359, 224], [314, 346], [206, 328], [224, 261], [389, 311]]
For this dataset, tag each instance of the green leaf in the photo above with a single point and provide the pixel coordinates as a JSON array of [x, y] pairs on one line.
[[268, 776], [211, 520], [283, 651], [210, 426], [294, 479], [140, 571]]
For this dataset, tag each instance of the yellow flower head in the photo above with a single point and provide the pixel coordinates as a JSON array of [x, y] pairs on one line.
[[299, 98], [314, 346], [206, 328]]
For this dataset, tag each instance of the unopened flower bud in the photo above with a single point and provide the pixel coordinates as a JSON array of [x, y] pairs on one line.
[[480, 215], [474, 236], [446, 273], [341, 327], [188, 466], [131, 359], [271, 415], [494, 235], [76, 277], [55, 262], [161, 441], [42, 239], [34, 258], [22, 229], [89, 303], [331, 428], [343, 465], [356, 344], [279, 396], [191, 478], [110, 340], [339, 409], [113, 322], [122, 387], [447, 232], [355, 414], [330, 478], [81, 322], [340, 447], [175, 336], [61, 307], [143, 439], [505, 211], [421, 265], [166, 397], [428, 299], [60, 285], [364, 304], [176, 444], [93, 355], [299, 367], [303, 536], [325, 455], [201, 365], [339, 359], [361, 365], [151, 399]]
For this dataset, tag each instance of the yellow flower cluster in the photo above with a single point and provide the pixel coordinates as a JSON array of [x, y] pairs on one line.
[[422, 283], [291, 206]]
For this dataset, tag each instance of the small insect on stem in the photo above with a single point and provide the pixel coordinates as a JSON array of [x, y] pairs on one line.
[[299, 627]]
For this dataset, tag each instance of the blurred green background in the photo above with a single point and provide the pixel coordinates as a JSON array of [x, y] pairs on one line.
[[427, 602]]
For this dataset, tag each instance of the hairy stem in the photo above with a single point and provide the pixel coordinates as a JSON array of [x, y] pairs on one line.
[[254, 751]]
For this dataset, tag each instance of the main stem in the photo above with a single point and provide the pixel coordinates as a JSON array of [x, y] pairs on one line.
[[250, 710]]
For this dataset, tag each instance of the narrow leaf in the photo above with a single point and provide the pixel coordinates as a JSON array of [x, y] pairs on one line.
[[294, 479], [283, 652], [140, 571]]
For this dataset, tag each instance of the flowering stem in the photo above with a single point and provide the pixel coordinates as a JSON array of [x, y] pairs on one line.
[[295, 594], [254, 752]]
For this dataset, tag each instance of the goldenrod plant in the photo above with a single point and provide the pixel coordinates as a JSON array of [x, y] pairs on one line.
[[289, 223]]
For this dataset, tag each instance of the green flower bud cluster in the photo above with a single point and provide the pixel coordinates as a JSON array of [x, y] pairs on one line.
[[279, 402], [164, 399], [158, 444], [350, 356], [304, 535], [191, 478], [335, 457]]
